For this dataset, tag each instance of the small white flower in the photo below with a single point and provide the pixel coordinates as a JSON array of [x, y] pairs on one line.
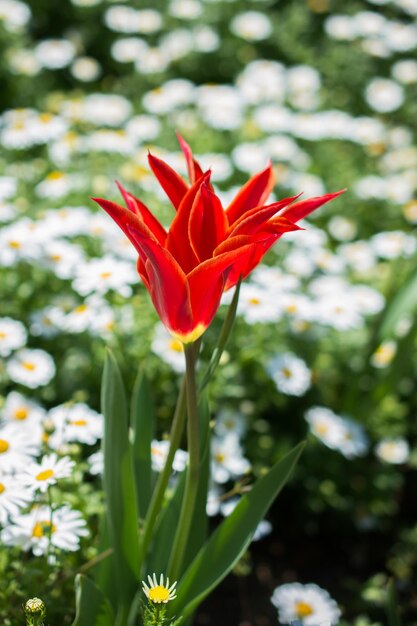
[[338, 432], [55, 53], [290, 374], [159, 593], [396, 451], [384, 95], [230, 422], [227, 459], [159, 453], [86, 69], [252, 26], [34, 531], [18, 447], [101, 275], [12, 335], [168, 348], [96, 463], [32, 368], [55, 185], [13, 497], [19, 410], [75, 423], [39, 476], [309, 603]]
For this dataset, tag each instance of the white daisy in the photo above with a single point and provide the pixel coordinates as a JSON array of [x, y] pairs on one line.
[[227, 460], [13, 497], [23, 412], [252, 26], [309, 603], [17, 447], [159, 453], [12, 335], [290, 374], [230, 422], [32, 368], [325, 425], [38, 529], [74, 422], [55, 53], [101, 275], [39, 476], [159, 592], [96, 463], [396, 451]]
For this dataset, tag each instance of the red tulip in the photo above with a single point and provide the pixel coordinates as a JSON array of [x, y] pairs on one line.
[[207, 249]]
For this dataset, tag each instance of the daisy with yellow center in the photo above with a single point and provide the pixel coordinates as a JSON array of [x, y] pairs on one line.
[[159, 593], [39, 476]]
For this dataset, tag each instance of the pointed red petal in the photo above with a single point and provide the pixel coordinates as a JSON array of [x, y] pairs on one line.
[[194, 170], [207, 282], [254, 193], [299, 210], [208, 223], [167, 285], [172, 183], [124, 219], [251, 221], [141, 210], [177, 241]]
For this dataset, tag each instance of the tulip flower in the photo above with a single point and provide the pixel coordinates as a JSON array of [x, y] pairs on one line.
[[207, 248]]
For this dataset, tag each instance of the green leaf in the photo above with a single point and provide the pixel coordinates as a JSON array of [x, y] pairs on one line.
[[142, 421], [92, 608], [403, 303], [230, 540], [392, 605], [223, 338], [119, 488]]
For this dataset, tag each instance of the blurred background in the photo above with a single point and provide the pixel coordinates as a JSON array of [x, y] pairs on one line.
[[324, 345]]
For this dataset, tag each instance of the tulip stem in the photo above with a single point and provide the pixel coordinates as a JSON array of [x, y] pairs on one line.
[[193, 470], [163, 479]]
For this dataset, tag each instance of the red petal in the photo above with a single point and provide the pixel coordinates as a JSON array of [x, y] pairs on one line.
[[207, 282], [194, 170], [178, 242], [254, 193], [141, 210], [208, 223], [299, 210], [124, 219], [254, 219], [168, 285], [172, 183]]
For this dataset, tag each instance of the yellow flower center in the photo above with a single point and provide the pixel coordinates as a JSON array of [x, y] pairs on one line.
[[78, 422], [303, 609], [321, 429], [105, 275], [43, 528], [3, 335], [21, 413], [55, 175], [15, 244], [45, 474], [176, 346], [219, 457], [4, 446], [254, 301], [159, 594], [292, 308], [2, 488], [45, 118], [28, 365], [286, 372], [55, 257], [81, 308]]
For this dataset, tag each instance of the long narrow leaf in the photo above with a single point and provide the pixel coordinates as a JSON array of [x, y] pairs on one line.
[[403, 303], [92, 608], [230, 540], [142, 422], [119, 488]]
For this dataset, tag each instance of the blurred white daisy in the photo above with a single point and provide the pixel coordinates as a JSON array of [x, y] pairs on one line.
[[384, 95], [338, 432], [168, 348], [31, 368], [74, 423], [252, 26], [227, 460], [230, 422], [18, 410], [12, 335], [18, 447], [62, 528], [13, 497], [39, 476], [104, 274], [309, 603], [396, 451], [159, 453], [55, 53], [290, 374]]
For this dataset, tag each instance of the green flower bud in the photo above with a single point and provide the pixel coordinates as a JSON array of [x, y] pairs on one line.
[[35, 611]]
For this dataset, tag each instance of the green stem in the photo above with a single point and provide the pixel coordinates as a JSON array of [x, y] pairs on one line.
[[193, 470], [163, 479]]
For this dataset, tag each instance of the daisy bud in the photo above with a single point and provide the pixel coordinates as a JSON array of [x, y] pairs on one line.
[[35, 612]]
